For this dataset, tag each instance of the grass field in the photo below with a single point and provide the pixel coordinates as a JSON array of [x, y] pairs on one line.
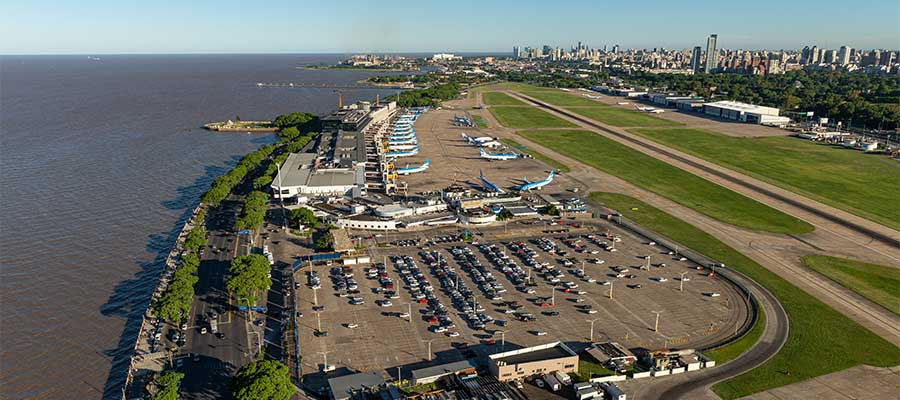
[[821, 340], [552, 163], [562, 99], [732, 350], [878, 283], [622, 117], [666, 180], [500, 99], [862, 184], [479, 121], [527, 117]]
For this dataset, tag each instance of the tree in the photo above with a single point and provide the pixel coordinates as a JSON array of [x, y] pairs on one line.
[[262, 380], [300, 120], [303, 217], [289, 133], [254, 212], [552, 210], [325, 242], [504, 215], [247, 275], [195, 239], [167, 385]]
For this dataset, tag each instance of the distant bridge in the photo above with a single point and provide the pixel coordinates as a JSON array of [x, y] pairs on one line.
[[356, 86]]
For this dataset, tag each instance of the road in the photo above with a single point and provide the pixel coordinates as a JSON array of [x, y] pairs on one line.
[[219, 357], [779, 253]]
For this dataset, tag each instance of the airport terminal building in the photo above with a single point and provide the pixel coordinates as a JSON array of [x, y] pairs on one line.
[[525, 362]]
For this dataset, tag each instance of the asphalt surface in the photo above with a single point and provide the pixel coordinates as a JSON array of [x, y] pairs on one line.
[[773, 338], [219, 357]]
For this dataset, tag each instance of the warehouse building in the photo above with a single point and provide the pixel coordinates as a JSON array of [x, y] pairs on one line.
[[301, 177], [744, 112], [525, 362], [432, 374]]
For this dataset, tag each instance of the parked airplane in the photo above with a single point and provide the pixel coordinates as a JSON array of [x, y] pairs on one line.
[[645, 109], [394, 142], [484, 141], [413, 170], [412, 152], [402, 146], [536, 185], [501, 157], [487, 184]]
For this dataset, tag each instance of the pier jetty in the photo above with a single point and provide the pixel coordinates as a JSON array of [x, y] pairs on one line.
[[241, 126]]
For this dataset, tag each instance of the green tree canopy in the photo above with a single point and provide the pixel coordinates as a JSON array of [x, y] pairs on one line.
[[299, 120], [325, 242], [262, 380], [167, 385], [247, 275], [254, 212], [304, 217], [195, 239]]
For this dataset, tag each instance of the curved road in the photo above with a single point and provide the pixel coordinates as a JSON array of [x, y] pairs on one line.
[[773, 338]]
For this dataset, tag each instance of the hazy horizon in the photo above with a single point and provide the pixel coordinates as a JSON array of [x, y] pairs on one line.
[[464, 26]]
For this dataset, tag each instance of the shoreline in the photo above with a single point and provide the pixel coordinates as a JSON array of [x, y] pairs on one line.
[[241, 126], [168, 268]]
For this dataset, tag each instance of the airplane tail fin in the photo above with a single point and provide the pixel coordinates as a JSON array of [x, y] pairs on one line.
[[481, 151], [481, 174]]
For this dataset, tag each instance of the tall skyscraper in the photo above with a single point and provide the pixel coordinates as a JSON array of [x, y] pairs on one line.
[[516, 52], [695, 60], [844, 55], [712, 55], [615, 49], [814, 55]]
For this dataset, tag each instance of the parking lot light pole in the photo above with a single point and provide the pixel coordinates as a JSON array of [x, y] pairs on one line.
[[611, 283], [681, 285], [325, 359], [429, 348], [591, 338], [656, 324], [315, 297], [553, 296], [318, 322], [502, 340]]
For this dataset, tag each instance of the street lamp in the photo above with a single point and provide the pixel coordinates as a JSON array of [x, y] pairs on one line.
[[681, 280], [656, 324], [591, 339], [429, 348]]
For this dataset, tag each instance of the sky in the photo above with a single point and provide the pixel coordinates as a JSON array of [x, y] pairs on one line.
[[350, 26]]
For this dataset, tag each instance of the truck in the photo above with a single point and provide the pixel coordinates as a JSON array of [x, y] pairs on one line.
[[612, 391], [213, 326], [551, 381], [563, 377]]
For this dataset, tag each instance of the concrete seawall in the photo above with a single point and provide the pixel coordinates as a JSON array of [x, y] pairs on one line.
[[144, 362]]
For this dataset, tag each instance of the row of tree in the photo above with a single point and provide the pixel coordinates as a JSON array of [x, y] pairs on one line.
[[254, 212], [247, 276], [262, 380], [223, 185], [175, 302], [430, 97]]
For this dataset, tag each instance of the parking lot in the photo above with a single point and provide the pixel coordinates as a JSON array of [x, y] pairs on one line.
[[471, 298]]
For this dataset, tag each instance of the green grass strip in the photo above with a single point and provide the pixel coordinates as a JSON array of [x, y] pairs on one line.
[[732, 350], [622, 117], [500, 99], [479, 121], [878, 283], [527, 117], [668, 181], [821, 340], [862, 184], [552, 163]]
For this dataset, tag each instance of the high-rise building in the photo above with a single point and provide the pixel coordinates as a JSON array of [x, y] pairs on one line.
[[516, 52], [888, 57], [712, 55], [844, 55], [695, 60], [805, 55], [615, 49], [830, 57], [814, 55]]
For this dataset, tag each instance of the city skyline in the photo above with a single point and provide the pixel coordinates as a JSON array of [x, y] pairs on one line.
[[103, 27]]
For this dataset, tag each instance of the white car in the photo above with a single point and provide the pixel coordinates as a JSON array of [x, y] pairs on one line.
[[452, 334], [352, 325], [385, 303], [661, 279], [403, 315], [606, 283], [540, 333], [685, 279], [620, 275], [713, 294]]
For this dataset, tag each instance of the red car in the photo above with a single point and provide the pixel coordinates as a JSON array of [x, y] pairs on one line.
[[546, 305], [491, 342], [433, 320]]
